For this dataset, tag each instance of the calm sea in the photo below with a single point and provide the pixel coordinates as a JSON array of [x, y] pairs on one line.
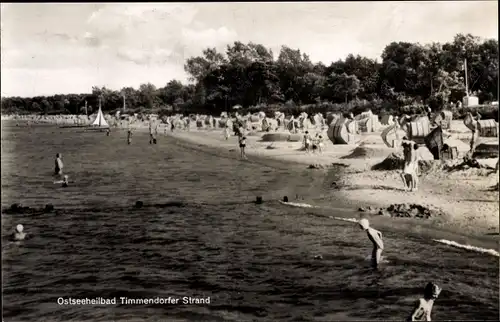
[[200, 235]]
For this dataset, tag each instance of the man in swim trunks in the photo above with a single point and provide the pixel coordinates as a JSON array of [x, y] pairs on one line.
[[375, 237], [58, 165], [423, 307]]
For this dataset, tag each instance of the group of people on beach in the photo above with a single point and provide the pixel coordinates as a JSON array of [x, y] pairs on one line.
[[313, 144]]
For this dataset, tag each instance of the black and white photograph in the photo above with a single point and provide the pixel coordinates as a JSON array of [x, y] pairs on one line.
[[250, 161]]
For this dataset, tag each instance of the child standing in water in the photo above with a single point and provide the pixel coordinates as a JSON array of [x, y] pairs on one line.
[[243, 143], [129, 136], [423, 307], [375, 237], [58, 165]]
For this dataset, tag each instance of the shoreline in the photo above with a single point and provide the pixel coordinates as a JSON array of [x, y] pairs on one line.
[[471, 211], [478, 230]]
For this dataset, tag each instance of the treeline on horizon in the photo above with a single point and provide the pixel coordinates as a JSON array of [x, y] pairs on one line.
[[410, 76]]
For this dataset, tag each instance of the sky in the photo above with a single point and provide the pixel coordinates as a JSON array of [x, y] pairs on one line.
[[51, 49]]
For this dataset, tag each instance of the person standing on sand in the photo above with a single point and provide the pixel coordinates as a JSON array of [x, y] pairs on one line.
[[242, 141], [397, 127], [58, 165], [375, 237], [410, 167], [423, 307], [307, 142], [474, 138], [320, 144], [226, 132]]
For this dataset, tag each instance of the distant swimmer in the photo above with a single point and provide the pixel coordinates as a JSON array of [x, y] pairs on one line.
[[242, 141], [107, 132], [18, 234], [375, 237], [64, 182], [58, 164], [423, 307]]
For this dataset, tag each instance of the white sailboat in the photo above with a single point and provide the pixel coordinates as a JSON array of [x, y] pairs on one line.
[[100, 121]]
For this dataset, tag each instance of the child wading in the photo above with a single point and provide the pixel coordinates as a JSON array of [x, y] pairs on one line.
[[243, 143], [423, 307], [375, 237], [129, 136], [58, 170]]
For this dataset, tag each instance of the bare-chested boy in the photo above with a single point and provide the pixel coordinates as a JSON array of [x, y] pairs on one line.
[[375, 237], [423, 307]]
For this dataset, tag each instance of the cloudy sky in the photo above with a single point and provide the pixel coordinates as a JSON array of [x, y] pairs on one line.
[[68, 48]]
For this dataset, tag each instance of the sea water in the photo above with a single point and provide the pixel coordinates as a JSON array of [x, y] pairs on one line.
[[200, 249]]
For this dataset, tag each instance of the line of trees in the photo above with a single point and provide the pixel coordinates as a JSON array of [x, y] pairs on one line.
[[409, 75]]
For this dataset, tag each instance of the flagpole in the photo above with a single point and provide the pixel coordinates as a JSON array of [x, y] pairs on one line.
[[99, 111], [466, 79]]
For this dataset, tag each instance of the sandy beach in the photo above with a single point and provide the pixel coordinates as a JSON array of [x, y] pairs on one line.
[[465, 197]]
